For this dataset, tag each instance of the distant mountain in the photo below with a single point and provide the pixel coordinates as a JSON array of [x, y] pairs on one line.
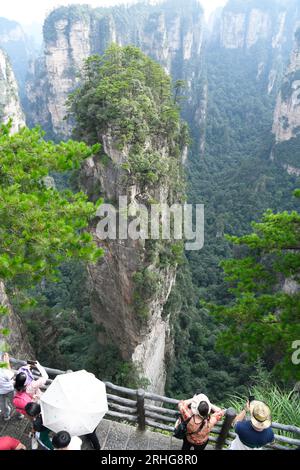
[[19, 48], [10, 106]]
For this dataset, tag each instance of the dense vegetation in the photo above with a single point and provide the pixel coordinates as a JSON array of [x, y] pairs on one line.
[[285, 404], [129, 96], [264, 319], [41, 227], [237, 182], [62, 317]]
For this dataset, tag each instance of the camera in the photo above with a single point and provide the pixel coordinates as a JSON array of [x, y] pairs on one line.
[[31, 363]]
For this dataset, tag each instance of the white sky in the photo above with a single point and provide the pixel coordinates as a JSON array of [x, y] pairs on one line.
[[30, 11]]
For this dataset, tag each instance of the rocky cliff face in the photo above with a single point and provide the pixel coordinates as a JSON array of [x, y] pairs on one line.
[[245, 23], [9, 98], [239, 30], [270, 30], [142, 336], [145, 342], [17, 341], [252, 25], [287, 112], [286, 123], [131, 284], [171, 33]]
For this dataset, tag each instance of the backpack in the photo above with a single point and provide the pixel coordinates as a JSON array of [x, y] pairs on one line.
[[180, 430], [20, 401]]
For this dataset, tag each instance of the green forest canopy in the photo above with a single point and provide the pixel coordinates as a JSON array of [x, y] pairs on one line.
[[263, 320]]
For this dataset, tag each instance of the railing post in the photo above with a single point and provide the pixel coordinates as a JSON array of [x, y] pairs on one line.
[[228, 420], [140, 394]]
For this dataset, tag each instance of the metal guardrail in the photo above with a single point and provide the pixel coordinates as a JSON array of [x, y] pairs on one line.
[[148, 409]]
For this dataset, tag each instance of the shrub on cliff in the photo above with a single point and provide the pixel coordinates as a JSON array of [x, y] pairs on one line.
[[126, 94]]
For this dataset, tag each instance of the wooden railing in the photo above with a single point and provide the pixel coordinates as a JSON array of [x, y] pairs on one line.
[[146, 409]]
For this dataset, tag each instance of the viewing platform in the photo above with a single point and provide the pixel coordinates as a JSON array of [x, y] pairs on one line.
[[141, 420], [111, 434]]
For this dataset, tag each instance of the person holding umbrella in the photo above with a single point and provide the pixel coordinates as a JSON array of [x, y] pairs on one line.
[[41, 433], [93, 439], [75, 402]]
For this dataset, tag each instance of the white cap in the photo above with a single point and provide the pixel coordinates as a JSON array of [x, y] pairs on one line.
[[197, 399]]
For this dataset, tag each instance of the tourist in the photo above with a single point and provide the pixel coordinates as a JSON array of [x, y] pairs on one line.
[[255, 432], [6, 387], [201, 416], [25, 381], [63, 441], [9, 443], [93, 439], [40, 432], [27, 388]]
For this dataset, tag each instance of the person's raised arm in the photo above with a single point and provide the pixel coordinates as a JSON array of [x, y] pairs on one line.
[[184, 408], [242, 415], [5, 358], [215, 417], [42, 370], [215, 408], [20, 446]]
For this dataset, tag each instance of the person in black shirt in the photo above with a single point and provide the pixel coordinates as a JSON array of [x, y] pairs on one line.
[[33, 411]]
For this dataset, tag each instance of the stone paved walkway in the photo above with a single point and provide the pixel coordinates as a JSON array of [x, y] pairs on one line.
[[112, 436]]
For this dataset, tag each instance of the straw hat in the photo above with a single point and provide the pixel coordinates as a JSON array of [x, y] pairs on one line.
[[260, 415], [197, 399]]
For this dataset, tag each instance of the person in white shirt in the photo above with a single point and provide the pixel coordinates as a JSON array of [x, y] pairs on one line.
[[63, 441], [6, 387]]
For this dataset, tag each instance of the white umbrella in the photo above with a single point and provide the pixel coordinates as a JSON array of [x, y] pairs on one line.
[[74, 402]]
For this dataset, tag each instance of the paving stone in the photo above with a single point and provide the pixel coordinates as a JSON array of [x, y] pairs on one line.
[[118, 436], [176, 444], [158, 442], [17, 429], [138, 440], [111, 434], [102, 431]]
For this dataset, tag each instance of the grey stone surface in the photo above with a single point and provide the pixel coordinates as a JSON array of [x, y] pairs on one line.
[[103, 430], [176, 444], [158, 441], [118, 436], [138, 441], [111, 434]]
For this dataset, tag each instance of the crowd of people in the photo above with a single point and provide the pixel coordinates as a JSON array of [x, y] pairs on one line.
[[21, 394], [198, 417]]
